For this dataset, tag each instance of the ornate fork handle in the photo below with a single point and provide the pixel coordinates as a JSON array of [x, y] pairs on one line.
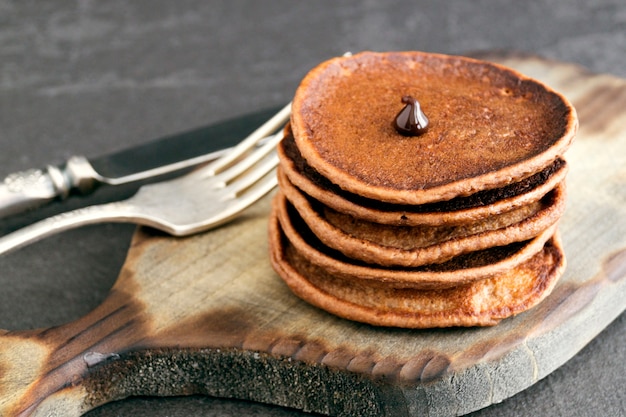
[[34, 187], [119, 211]]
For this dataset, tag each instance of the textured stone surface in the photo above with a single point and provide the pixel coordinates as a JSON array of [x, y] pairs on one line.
[[91, 77]]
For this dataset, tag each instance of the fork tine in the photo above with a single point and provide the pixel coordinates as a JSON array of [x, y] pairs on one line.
[[257, 190], [234, 206], [253, 176], [249, 161], [248, 143]]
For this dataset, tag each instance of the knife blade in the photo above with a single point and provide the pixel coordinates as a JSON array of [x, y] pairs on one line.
[[148, 162]]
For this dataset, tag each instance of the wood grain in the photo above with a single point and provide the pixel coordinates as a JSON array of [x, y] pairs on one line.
[[206, 314]]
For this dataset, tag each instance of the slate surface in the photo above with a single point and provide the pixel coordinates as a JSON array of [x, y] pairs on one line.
[[89, 78]]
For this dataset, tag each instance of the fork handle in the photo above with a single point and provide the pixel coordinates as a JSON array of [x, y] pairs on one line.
[[112, 212]]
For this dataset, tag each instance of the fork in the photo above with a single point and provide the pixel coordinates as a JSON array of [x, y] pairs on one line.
[[203, 199]]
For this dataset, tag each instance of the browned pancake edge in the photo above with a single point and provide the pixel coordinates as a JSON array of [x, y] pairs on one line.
[[412, 246], [480, 303], [490, 125], [293, 171], [460, 270]]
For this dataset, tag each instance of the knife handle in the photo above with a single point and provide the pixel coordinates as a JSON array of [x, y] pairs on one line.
[[32, 188]]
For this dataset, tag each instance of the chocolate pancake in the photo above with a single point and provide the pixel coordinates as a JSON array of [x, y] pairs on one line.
[[412, 246], [489, 127], [459, 210], [479, 303], [459, 270]]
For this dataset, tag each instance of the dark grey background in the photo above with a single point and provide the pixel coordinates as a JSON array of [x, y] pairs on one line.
[[87, 77]]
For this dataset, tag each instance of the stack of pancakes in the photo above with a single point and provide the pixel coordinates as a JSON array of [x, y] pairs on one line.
[[456, 226]]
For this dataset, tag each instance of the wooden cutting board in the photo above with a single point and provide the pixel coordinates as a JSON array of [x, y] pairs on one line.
[[206, 314]]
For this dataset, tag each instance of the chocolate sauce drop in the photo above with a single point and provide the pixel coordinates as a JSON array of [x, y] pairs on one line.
[[411, 120]]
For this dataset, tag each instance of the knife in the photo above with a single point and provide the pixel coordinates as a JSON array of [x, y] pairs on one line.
[[149, 162]]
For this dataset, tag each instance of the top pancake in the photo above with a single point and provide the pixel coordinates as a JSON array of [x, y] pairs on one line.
[[489, 125]]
